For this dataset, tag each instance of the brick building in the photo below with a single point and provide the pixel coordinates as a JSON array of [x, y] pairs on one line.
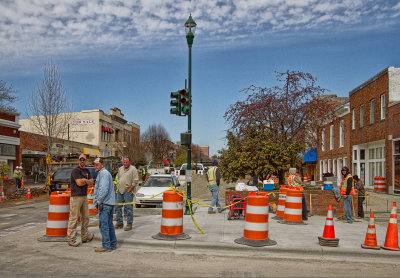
[[370, 129], [9, 139], [334, 149]]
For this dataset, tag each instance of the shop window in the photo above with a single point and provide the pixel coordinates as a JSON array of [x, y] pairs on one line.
[[355, 155], [371, 153], [378, 153]]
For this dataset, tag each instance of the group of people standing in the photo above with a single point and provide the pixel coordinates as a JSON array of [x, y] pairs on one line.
[[106, 198]]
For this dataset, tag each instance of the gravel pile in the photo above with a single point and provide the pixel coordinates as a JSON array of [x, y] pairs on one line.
[[200, 189]]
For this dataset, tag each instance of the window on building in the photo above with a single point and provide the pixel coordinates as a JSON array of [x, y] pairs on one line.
[[372, 112], [371, 154], [361, 115], [341, 134], [355, 155], [353, 119], [378, 153], [323, 140], [383, 107], [362, 154], [331, 140]]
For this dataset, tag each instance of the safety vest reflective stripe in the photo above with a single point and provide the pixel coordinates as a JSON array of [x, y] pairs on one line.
[[212, 176]]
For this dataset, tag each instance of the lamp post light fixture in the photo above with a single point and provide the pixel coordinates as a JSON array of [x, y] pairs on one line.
[[190, 27]]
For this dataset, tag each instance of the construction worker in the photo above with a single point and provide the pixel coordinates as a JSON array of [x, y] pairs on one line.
[[347, 191], [295, 181], [144, 173], [213, 179]]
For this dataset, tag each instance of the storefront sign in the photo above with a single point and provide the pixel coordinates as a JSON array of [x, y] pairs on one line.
[[83, 122]]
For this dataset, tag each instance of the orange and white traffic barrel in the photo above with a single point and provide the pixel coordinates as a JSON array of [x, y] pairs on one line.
[[256, 225], [172, 217], [379, 184], [57, 218], [293, 206], [90, 196], [280, 212]]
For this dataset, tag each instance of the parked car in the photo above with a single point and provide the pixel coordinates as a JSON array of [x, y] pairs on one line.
[[61, 179], [154, 185]]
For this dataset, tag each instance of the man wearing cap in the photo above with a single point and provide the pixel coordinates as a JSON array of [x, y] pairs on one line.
[[127, 180], [80, 179], [347, 191], [104, 201]]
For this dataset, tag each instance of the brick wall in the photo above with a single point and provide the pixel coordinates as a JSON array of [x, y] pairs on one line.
[[320, 201]]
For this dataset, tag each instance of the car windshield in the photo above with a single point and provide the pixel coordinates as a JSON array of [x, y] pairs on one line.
[[63, 174], [158, 182]]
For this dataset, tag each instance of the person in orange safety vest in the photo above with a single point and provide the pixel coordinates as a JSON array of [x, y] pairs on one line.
[[347, 191]]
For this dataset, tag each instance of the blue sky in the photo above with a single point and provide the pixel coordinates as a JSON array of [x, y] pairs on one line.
[[132, 54]]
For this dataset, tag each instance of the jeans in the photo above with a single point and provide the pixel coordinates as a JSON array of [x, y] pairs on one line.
[[347, 207], [78, 205], [214, 189], [108, 238], [127, 197], [304, 210]]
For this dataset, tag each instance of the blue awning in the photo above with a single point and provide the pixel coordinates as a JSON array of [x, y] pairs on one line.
[[310, 156]]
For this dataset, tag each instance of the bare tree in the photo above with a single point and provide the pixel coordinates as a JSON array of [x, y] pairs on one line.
[[49, 109], [156, 140], [7, 96]]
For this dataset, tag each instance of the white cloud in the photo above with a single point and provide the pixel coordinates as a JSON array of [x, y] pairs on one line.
[[34, 27]]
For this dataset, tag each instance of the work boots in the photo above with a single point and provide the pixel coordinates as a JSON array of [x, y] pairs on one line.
[[128, 227], [118, 226]]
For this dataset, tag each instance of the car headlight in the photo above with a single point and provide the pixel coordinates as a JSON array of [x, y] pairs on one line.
[[139, 195]]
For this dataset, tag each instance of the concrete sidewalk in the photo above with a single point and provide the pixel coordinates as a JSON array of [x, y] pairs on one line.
[[220, 233]]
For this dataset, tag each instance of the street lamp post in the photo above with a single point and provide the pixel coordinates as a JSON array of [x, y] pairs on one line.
[[190, 27]]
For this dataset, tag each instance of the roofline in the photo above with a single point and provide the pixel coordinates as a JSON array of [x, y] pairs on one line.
[[369, 81]]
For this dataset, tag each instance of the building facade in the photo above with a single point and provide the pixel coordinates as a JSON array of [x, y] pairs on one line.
[[109, 134], [9, 140], [370, 131]]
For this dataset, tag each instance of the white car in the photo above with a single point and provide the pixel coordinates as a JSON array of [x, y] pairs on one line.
[[154, 185]]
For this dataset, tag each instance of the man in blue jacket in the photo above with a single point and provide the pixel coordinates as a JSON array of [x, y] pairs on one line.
[[104, 200]]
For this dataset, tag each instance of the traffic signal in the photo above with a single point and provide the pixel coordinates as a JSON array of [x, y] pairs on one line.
[[175, 103], [185, 102]]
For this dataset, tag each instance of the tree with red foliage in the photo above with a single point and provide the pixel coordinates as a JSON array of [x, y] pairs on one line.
[[286, 116]]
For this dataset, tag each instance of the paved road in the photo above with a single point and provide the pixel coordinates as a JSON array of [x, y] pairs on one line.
[[211, 255]]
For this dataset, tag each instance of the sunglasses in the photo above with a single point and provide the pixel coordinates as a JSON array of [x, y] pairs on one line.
[[82, 159]]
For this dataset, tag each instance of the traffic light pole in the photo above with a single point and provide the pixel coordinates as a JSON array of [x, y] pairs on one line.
[[189, 38]]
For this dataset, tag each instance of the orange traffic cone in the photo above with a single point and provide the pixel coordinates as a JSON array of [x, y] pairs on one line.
[[22, 183], [392, 237], [28, 195], [370, 238], [328, 237], [3, 198]]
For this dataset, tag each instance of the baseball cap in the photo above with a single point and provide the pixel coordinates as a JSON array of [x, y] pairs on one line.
[[82, 156], [98, 160]]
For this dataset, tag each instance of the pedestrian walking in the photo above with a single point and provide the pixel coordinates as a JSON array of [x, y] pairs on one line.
[[347, 191], [359, 186], [127, 183], [213, 179], [295, 180], [104, 201], [80, 179]]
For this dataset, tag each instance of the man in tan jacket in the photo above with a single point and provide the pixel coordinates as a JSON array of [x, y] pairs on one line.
[[127, 181]]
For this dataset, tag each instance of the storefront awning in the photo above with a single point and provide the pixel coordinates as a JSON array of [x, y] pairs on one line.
[[310, 156], [91, 152]]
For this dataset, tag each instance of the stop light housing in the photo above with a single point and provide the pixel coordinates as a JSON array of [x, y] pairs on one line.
[[175, 103], [185, 102]]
